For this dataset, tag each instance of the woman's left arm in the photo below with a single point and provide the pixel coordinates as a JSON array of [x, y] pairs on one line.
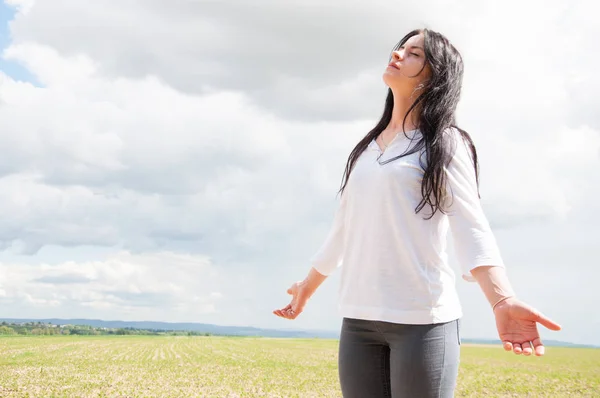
[[480, 259]]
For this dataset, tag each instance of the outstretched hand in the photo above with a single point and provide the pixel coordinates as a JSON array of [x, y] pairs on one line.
[[300, 296], [517, 327]]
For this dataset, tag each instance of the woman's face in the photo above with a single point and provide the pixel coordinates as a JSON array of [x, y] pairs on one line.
[[405, 71]]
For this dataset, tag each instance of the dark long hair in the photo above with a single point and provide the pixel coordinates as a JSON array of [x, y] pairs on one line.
[[437, 107]]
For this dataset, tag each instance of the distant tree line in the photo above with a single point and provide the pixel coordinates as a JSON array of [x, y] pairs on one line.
[[46, 329]]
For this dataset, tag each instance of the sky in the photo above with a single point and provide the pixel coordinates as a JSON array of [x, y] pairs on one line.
[[179, 160]]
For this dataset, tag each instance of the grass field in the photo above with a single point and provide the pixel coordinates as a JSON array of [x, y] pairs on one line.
[[146, 366]]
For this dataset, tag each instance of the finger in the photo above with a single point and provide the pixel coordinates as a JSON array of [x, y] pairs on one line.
[[281, 312], [550, 324], [508, 346], [547, 322], [539, 347], [287, 307], [284, 315], [517, 349], [527, 350], [291, 289], [290, 314], [296, 309]]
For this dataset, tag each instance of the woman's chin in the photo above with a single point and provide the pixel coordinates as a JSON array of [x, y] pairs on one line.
[[386, 78]]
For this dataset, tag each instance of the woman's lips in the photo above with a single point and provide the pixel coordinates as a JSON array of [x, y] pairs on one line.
[[393, 66]]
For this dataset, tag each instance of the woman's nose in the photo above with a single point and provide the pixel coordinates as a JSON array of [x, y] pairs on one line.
[[397, 55]]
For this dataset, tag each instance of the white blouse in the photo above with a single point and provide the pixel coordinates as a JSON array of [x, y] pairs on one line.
[[393, 262]]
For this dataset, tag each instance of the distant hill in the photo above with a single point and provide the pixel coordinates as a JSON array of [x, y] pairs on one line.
[[237, 330], [196, 327]]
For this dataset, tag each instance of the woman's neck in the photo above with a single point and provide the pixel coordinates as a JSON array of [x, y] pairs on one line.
[[401, 106]]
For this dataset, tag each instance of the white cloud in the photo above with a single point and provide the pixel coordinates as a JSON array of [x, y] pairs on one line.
[[539, 179], [133, 286], [220, 130]]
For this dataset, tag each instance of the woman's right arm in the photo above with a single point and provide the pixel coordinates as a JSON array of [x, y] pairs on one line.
[[327, 259]]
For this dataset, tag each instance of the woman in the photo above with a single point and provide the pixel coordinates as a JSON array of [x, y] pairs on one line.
[[407, 183]]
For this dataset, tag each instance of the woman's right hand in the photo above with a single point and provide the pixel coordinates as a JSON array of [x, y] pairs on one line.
[[300, 295]]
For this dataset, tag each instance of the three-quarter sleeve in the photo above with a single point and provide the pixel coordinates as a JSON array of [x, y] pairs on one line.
[[474, 242], [329, 257]]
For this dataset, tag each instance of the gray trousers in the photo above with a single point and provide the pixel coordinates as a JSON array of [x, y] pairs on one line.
[[382, 359]]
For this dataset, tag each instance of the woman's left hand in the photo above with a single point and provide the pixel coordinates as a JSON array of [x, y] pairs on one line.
[[517, 327]]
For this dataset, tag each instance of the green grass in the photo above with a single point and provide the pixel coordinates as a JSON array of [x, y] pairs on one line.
[[146, 366]]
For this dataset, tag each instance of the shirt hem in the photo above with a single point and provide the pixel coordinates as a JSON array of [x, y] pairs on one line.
[[402, 317]]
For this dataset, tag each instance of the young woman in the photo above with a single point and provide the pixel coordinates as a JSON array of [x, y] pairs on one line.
[[407, 183]]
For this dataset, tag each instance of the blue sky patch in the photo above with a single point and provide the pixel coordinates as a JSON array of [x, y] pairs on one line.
[[13, 69]]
